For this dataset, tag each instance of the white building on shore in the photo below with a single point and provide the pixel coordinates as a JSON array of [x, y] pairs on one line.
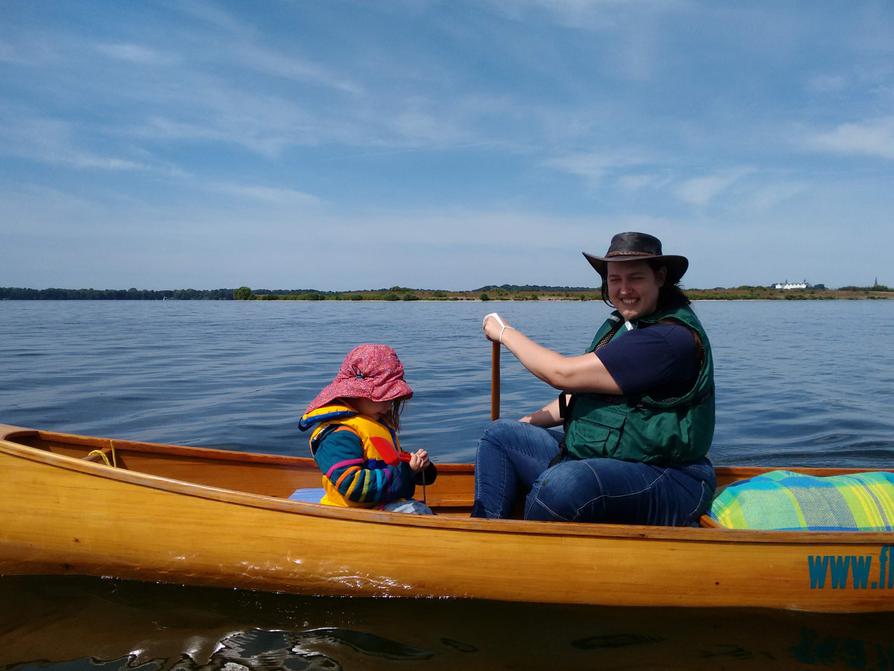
[[792, 285]]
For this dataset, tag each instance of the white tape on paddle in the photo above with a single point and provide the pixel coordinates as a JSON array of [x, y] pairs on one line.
[[503, 326], [495, 316]]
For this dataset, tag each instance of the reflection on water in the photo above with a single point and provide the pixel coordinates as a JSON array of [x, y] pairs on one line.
[[81, 624]]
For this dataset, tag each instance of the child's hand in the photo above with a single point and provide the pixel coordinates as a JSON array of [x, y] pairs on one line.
[[418, 460]]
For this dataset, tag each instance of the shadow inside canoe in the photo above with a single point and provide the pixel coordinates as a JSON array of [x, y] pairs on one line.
[[81, 624]]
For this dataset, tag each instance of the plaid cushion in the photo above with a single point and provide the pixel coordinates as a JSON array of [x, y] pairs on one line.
[[783, 500]]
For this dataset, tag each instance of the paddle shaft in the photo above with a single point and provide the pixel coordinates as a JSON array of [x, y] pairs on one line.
[[495, 381]]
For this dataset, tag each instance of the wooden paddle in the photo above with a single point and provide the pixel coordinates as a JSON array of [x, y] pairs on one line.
[[495, 381]]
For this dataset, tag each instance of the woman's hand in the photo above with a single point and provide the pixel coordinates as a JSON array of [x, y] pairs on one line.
[[547, 416], [419, 460], [494, 326]]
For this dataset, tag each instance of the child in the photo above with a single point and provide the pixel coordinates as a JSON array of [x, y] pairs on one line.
[[354, 423]]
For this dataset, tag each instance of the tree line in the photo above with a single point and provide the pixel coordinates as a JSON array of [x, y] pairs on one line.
[[20, 293]]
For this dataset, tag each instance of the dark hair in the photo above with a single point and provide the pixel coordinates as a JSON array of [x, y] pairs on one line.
[[393, 416], [669, 295]]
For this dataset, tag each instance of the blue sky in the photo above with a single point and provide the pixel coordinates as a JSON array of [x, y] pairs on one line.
[[344, 144]]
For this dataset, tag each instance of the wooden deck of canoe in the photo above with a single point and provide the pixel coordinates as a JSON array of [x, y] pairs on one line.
[[200, 516]]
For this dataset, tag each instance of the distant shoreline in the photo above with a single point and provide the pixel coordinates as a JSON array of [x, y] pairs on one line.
[[489, 293]]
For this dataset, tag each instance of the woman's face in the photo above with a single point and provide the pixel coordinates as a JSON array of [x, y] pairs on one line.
[[633, 287]]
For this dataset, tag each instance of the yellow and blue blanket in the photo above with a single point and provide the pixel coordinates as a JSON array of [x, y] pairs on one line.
[[783, 500]]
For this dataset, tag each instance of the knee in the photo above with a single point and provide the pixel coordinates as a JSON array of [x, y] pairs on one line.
[[498, 434], [561, 491]]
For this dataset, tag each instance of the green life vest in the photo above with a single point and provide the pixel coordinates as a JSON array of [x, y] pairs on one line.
[[660, 431]]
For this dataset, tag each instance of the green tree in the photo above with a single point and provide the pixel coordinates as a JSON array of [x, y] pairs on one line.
[[484, 297], [242, 294]]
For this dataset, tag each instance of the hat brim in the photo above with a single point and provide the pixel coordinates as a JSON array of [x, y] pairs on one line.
[[351, 388], [676, 265]]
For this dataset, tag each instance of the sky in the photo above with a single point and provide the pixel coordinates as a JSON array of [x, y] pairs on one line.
[[347, 144]]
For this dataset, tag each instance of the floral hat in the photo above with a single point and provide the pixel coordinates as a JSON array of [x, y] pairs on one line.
[[369, 371]]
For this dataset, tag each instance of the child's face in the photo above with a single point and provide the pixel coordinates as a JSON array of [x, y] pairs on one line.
[[375, 409]]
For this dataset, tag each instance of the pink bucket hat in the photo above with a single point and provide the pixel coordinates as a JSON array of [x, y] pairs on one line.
[[369, 371]]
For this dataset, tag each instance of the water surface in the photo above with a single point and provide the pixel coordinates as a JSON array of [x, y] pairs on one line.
[[797, 383]]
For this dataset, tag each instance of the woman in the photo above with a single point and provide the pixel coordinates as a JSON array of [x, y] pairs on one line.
[[637, 408]]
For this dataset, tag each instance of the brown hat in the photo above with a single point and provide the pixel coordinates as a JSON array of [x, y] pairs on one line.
[[639, 247]]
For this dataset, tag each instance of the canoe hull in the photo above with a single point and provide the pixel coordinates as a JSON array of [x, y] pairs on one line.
[[67, 516]]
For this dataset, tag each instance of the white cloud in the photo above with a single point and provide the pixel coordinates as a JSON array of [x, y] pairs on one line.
[[596, 165], [769, 196], [874, 137], [631, 32], [270, 62], [53, 142], [702, 190], [639, 181], [136, 53], [267, 194], [589, 14], [234, 40], [211, 15], [826, 83]]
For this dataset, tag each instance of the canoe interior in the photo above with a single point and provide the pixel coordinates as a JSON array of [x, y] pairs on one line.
[[265, 474], [273, 475]]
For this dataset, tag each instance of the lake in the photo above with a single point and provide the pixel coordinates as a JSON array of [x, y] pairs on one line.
[[798, 383]]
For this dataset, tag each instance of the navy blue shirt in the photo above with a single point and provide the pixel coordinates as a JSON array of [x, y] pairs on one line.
[[659, 360]]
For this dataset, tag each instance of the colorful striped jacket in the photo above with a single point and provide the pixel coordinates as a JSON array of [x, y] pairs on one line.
[[360, 458]]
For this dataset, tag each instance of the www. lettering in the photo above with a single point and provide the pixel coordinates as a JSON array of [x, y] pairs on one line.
[[852, 571]]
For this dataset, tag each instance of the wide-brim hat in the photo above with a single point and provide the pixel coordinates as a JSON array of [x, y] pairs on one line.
[[639, 247], [369, 371]]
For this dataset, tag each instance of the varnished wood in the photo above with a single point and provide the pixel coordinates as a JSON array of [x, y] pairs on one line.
[[217, 517], [495, 381]]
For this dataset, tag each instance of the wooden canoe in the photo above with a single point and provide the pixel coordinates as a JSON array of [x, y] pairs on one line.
[[202, 516]]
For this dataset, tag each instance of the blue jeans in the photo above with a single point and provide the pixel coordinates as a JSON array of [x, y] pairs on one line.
[[512, 464]]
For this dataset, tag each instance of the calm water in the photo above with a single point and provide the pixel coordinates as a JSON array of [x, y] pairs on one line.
[[237, 375]]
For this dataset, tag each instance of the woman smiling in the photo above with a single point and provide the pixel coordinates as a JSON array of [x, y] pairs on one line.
[[637, 408]]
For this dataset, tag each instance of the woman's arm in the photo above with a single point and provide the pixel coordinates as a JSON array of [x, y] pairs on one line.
[[584, 373], [547, 416]]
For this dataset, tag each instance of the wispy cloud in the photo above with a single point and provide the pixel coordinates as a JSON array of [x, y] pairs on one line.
[[238, 43], [768, 196], [52, 141], [590, 14], [874, 137], [276, 64], [826, 83], [212, 16], [595, 166], [702, 190], [136, 53], [190, 118], [266, 194]]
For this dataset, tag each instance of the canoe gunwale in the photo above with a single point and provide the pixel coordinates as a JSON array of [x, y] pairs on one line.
[[8, 434]]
